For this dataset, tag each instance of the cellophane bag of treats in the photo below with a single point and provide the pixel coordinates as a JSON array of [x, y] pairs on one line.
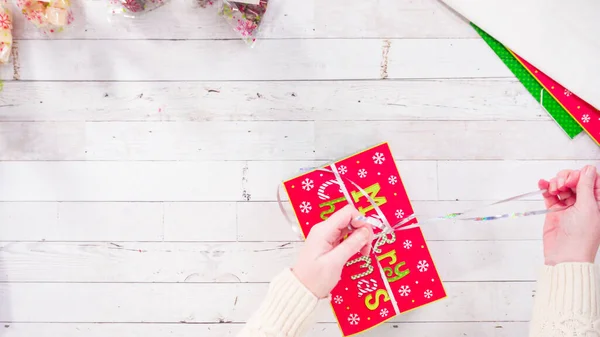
[[5, 33], [244, 17], [50, 16], [133, 8]]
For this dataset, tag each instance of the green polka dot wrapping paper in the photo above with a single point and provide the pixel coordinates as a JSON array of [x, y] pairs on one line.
[[584, 113], [560, 115]]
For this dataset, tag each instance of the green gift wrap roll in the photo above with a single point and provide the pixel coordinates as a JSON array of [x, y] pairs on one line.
[[560, 115]]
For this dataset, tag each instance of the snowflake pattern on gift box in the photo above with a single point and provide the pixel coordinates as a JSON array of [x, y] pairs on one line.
[[308, 184], [410, 246], [586, 118], [399, 214], [568, 93], [422, 266], [392, 180], [404, 291], [428, 294], [305, 207], [342, 169], [353, 319], [378, 158], [384, 312]]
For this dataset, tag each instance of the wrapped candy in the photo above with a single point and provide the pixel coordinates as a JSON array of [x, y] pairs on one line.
[[49, 15], [244, 17], [5, 34], [205, 3], [132, 8]]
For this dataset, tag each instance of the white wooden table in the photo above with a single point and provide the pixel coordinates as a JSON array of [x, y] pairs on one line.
[[139, 160]]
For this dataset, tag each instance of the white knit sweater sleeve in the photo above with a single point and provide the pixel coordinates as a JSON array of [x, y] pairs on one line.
[[287, 311], [567, 302]]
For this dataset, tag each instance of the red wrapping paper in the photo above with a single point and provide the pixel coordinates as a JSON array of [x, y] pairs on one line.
[[585, 114], [399, 275]]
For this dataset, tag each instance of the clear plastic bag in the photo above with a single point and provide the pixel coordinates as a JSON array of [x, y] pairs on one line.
[[244, 18], [6, 40], [206, 3], [51, 16], [133, 8]]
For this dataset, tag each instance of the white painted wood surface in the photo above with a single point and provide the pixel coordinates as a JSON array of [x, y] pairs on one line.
[[120, 141]]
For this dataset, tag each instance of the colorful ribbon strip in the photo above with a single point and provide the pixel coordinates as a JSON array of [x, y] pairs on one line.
[[387, 228]]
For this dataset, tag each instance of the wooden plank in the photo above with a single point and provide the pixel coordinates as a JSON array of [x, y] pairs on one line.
[[254, 180], [263, 221], [19, 221], [496, 180], [263, 178], [435, 100], [42, 141], [452, 58], [454, 140], [198, 60], [298, 140], [107, 221], [449, 329], [116, 221], [187, 221], [321, 59], [200, 141], [286, 19], [52, 221], [200, 221], [171, 303], [457, 261], [10, 70], [121, 181]]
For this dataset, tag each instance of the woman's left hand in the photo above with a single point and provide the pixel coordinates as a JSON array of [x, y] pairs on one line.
[[321, 260]]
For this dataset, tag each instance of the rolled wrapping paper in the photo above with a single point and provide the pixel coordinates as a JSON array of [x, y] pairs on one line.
[[50, 15], [5, 34]]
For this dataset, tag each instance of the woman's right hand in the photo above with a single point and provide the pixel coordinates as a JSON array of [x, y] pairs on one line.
[[572, 234]]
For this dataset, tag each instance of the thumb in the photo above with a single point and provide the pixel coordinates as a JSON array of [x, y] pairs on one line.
[[585, 187], [339, 255]]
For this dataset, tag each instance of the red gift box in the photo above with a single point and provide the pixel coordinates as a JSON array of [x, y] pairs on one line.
[[399, 275]]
